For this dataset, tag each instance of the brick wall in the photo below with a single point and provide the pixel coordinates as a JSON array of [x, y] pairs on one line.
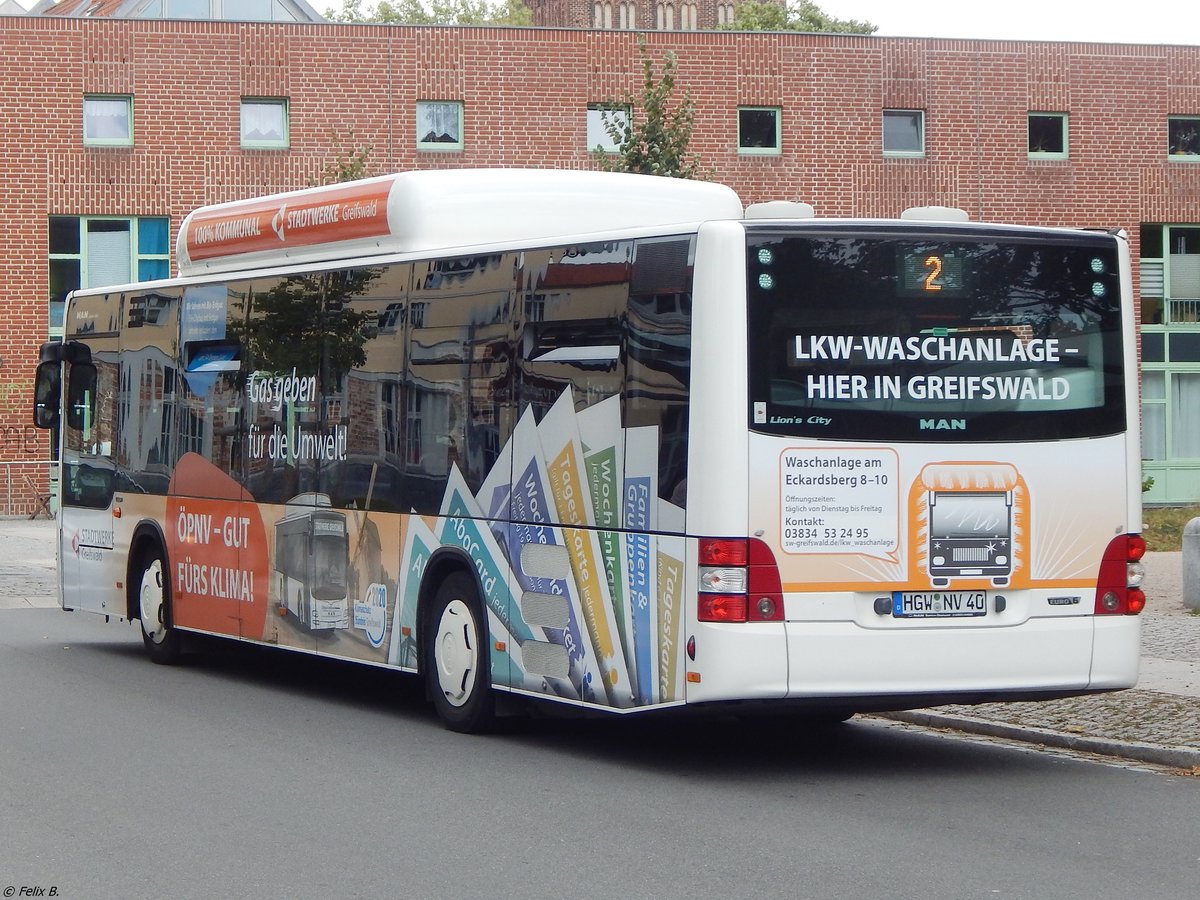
[[525, 92]]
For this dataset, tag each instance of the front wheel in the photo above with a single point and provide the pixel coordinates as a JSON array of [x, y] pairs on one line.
[[163, 642], [456, 660]]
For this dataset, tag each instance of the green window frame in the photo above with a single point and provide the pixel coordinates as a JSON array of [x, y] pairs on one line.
[[760, 131], [88, 251], [1183, 138], [439, 125], [598, 137], [1048, 135], [107, 120], [264, 123], [904, 132]]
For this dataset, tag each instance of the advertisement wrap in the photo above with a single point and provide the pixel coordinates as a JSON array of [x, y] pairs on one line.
[[583, 598]]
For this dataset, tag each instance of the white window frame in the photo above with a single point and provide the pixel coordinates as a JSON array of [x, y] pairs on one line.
[[597, 135], [423, 106], [920, 114], [94, 100], [280, 103], [775, 150], [1064, 121]]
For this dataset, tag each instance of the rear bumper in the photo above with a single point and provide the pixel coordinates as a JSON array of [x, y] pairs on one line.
[[1041, 657]]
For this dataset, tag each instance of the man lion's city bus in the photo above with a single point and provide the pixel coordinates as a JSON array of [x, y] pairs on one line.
[[612, 441]]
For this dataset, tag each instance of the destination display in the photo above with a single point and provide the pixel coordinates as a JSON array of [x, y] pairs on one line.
[[874, 339]]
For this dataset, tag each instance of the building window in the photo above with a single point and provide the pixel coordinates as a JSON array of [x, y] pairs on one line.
[[264, 123], [903, 132], [687, 17], [228, 10], [724, 13], [758, 130], [1047, 135], [439, 125], [107, 120], [628, 13], [1169, 279], [598, 137], [94, 251], [1169, 274], [1183, 137], [602, 16], [188, 9], [1154, 415]]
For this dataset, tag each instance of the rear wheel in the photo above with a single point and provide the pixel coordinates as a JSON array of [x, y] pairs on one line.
[[456, 660], [163, 642]]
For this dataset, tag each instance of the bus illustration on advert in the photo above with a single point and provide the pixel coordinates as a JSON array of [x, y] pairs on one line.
[[312, 555]]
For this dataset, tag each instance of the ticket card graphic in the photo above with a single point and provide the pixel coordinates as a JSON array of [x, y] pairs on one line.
[[559, 435], [548, 596], [604, 459], [639, 511]]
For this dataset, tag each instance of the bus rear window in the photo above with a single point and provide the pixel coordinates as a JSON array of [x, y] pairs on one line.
[[952, 335]]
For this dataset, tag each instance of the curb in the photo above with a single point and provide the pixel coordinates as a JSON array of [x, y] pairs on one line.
[[1176, 757]]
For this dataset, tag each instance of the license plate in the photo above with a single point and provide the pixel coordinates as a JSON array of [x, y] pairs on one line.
[[937, 604]]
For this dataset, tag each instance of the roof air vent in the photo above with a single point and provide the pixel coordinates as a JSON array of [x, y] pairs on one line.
[[779, 209], [936, 214]]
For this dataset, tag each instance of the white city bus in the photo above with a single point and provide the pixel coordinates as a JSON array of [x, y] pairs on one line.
[[613, 442], [311, 554]]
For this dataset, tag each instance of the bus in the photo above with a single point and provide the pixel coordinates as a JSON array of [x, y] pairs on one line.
[[615, 443], [311, 559]]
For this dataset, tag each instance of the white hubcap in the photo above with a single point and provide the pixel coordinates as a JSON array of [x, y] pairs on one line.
[[151, 601], [455, 653]]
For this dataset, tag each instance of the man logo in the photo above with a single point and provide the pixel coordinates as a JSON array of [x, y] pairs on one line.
[[943, 424]]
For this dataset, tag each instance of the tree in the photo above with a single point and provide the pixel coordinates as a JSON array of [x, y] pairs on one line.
[[802, 15], [437, 12], [652, 131], [307, 320], [350, 163]]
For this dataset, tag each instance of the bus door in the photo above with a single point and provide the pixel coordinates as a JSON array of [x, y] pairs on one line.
[[92, 570], [216, 540]]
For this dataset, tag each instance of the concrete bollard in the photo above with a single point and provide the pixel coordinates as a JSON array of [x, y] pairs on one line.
[[1191, 564]]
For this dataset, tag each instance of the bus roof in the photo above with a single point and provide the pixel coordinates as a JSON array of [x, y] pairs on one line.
[[437, 210]]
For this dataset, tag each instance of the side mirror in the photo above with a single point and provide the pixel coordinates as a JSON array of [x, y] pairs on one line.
[[47, 386], [81, 395]]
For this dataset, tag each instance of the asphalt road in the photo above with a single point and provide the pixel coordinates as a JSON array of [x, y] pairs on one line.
[[250, 772]]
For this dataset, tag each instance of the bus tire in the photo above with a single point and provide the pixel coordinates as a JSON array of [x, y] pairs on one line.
[[457, 662], [163, 642]]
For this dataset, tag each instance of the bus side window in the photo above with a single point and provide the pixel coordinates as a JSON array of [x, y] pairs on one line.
[[658, 338], [458, 381], [572, 308]]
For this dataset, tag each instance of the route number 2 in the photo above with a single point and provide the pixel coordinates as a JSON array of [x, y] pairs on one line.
[[934, 265]]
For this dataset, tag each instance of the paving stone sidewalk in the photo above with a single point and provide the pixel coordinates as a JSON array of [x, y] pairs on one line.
[[1158, 722]]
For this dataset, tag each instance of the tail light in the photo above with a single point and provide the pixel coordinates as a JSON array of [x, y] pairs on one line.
[[739, 581], [1119, 587]]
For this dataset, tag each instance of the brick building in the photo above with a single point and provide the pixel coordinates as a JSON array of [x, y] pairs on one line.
[[117, 128], [662, 15]]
